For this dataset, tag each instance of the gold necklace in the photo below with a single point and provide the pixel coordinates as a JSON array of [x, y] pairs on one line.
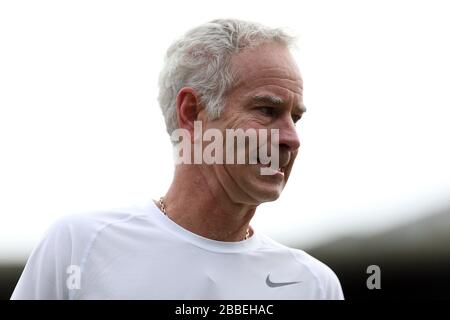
[[163, 209]]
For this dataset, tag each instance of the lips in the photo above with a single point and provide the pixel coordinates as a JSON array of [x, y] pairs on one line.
[[281, 168]]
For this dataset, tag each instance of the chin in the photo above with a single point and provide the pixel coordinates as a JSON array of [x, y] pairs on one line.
[[256, 189], [268, 198], [263, 188], [263, 191], [269, 195]]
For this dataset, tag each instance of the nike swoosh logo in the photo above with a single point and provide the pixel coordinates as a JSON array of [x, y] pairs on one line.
[[278, 284]]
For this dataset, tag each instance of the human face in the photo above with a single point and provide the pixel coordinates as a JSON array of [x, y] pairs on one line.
[[267, 95]]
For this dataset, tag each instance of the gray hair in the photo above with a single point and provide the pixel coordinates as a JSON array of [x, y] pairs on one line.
[[201, 59]]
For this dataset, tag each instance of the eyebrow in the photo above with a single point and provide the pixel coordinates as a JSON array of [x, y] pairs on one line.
[[275, 100]]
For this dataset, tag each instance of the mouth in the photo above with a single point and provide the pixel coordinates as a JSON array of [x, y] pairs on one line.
[[280, 169]]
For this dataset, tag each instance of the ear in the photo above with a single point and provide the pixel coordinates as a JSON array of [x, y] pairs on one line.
[[188, 108]]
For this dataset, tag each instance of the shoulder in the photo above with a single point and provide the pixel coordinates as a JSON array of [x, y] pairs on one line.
[[66, 244], [78, 231], [71, 237], [83, 228], [326, 278], [88, 222]]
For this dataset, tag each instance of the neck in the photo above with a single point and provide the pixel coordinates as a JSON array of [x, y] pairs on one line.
[[202, 206]]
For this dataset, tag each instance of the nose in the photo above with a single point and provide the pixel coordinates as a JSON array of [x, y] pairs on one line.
[[288, 137]]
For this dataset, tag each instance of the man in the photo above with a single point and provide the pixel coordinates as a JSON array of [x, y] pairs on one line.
[[196, 242]]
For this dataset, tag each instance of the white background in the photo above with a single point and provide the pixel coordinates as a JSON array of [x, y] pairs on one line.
[[80, 127]]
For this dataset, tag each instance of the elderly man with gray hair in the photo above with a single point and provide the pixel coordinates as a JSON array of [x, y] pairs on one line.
[[224, 81]]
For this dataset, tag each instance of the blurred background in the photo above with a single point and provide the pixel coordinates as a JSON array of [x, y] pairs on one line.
[[80, 128]]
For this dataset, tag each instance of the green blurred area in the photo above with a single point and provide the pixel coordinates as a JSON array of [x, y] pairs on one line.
[[9, 275]]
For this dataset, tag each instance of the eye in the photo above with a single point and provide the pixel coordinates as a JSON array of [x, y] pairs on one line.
[[268, 111]]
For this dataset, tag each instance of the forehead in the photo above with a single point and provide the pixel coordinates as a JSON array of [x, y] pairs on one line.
[[269, 67]]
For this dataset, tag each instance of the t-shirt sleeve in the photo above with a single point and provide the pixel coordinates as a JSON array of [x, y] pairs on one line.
[[46, 272], [327, 280], [332, 286]]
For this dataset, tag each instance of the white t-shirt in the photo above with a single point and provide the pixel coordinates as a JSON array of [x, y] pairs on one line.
[[139, 253]]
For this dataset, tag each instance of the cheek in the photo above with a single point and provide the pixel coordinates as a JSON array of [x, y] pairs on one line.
[[243, 120]]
